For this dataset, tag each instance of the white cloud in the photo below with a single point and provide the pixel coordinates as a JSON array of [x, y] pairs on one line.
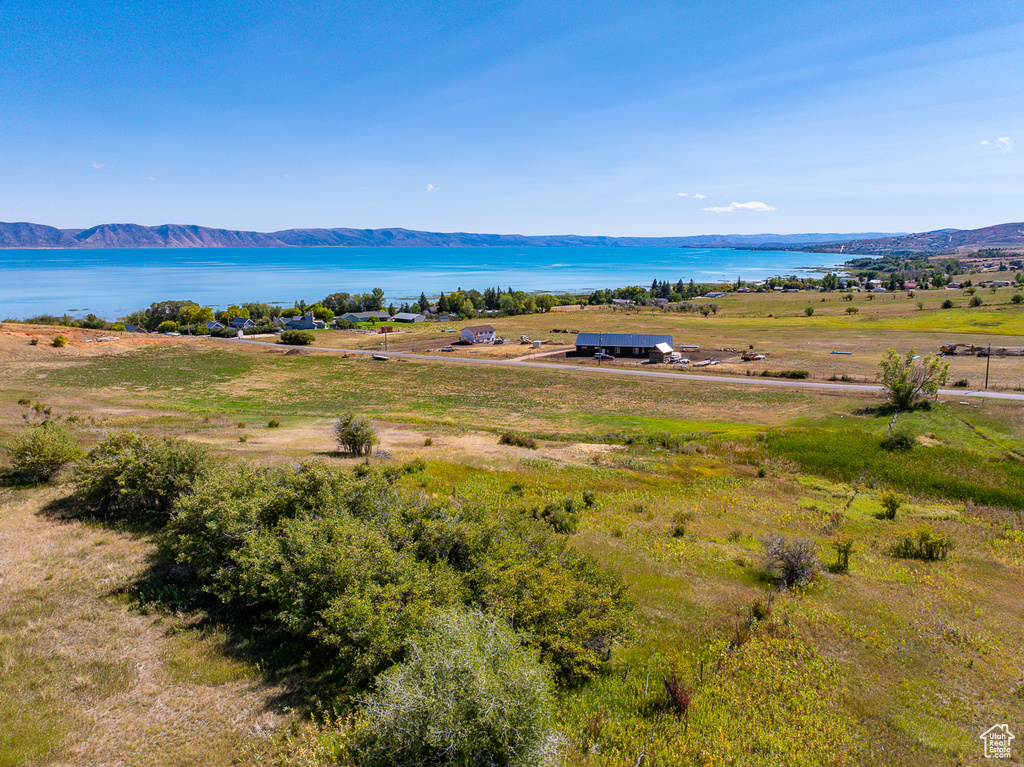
[[1004, 143], [760, 207], [97, 165], [432, 188], [151, 178], [683, 194], [699, 196]]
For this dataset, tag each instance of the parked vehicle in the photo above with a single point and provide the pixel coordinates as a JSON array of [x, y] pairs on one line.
[[499, 341], [602, 356], [447, 348]]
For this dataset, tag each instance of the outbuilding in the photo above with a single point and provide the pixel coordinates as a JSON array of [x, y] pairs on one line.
[[619, 344], [357, 317], [408, 317], [478, 334], [660, 353]]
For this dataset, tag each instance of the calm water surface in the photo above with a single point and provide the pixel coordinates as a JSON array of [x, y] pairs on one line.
[[113, 282]]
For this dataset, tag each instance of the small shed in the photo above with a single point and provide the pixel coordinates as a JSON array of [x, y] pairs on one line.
[[660, 353], [478, 334], [408, 317]]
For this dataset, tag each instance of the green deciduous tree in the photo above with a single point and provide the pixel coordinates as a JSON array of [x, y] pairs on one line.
[[906, 379]]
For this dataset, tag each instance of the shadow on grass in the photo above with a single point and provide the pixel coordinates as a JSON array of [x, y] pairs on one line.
[[302, 669], [15, 480], [71, 508], [887, 410]]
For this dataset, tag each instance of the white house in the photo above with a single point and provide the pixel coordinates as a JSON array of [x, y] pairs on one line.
[[478, 334]]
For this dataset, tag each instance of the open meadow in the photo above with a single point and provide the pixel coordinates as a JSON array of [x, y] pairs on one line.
[[885, 658]]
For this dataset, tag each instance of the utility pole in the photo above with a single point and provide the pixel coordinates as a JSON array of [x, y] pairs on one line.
[[988, 362]]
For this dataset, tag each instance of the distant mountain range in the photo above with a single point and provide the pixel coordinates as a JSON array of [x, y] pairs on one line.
[[951, 241], [25, 235]]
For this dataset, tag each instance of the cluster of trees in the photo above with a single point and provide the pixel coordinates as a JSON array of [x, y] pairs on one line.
[[467, 303], [896, 270], [349, 571]]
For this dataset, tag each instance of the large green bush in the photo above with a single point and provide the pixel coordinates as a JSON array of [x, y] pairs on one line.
[[355, 435], [297, 337], [40, 455], [347, 571], [131, 476], [469, 694]]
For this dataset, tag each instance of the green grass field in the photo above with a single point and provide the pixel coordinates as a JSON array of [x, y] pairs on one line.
[[896, 661]]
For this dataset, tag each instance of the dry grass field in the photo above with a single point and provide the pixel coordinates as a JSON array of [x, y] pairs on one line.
[[896, 661]]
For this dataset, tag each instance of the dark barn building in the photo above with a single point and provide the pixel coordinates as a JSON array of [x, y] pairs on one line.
[[618, 344]]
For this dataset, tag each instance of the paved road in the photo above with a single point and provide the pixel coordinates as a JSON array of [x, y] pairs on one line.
[[611, 370]]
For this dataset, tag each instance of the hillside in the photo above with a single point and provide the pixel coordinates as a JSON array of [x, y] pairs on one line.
[[941, 241], [27, 235]]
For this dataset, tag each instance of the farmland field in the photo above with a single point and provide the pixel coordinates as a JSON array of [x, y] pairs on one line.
[[893, 661]]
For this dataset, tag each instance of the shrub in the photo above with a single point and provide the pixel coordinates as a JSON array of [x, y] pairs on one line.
[[589, 499], [848, 297], [808, 311], [355, 435], [890, 505], [899, 439], [919, 304], [852, 309], [131, 476], [415, 466], [792, 563], [906, 379], [297, 337], [679, 530], [117, 327], [511, 438], [469, 694], [428, 442], [33, 342], [795, 374], [59, 341], [1017, 298], [948, 304], [167, 326], [273, 423], [975, 301], [843, 544], [924, 543], [961, 383], [42, 453], [563, 517]]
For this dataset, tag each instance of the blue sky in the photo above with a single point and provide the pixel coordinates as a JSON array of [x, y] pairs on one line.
[[657, 118]]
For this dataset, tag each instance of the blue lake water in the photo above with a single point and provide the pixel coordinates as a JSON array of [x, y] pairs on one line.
[[114, 282]]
